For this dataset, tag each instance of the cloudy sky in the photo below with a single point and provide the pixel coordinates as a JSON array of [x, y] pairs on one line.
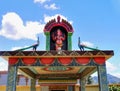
[[97, 22]]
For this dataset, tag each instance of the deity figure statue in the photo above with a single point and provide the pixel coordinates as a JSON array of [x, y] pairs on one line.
[[58, 37]]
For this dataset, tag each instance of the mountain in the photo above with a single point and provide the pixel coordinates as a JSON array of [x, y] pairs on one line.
[[111, 79]]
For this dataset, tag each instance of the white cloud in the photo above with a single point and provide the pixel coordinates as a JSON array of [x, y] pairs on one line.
[[51, 6], [86, 43], [40, 1], [45, 4], [14, 28], [94, 74], [116, 74], [17, 48], [112, 69]]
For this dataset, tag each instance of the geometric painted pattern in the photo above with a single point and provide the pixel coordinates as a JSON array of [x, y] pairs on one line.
[[33, 84], [11, 85], [54, 62], [102, 76], [82, 84], [42, 58], [106, 54]]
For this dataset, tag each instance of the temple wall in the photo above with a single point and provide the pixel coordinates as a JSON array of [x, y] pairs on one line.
[[92, 88], [20, 88], [44, 88], [2, 88], [89, 88], [27, 88]]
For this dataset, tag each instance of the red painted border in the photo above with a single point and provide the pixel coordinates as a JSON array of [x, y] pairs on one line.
[[83, 60], [46, 61], [65, 61], [13, 61], [53, 23], [99, 60], [29, 61]]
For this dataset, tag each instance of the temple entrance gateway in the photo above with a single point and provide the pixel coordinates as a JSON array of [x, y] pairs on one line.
[[58, 67]]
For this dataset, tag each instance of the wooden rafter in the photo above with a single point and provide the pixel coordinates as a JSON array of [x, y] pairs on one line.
[[88, 71], [27, 73]]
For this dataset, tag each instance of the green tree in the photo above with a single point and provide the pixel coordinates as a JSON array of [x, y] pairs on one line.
[[114, 88], [89, 80]]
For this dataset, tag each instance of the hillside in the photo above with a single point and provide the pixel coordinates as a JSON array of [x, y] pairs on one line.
[[111, 79]]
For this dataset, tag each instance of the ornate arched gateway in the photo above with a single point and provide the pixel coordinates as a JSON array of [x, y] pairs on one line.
[[57, 68]]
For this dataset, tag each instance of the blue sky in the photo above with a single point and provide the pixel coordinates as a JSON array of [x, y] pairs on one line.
[[97, 22]]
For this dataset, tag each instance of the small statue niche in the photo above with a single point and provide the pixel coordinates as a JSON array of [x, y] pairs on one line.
[[58, 37]]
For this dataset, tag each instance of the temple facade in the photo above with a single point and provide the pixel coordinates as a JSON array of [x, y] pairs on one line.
[[58, 68]]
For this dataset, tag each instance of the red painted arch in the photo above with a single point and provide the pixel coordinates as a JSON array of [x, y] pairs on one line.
[[51, 24]]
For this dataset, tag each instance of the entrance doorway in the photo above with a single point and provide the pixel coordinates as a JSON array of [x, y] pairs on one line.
[[58, 88]]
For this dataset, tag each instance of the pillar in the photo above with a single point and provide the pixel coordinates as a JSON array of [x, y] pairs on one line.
[[18, 79], [102, 78], [70, 88], [69, 41], [33, 85], [82, 84], [11, 79], [26, 80], [47, 41]]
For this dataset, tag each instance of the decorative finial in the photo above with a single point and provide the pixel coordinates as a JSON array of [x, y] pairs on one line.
[[58, 19]]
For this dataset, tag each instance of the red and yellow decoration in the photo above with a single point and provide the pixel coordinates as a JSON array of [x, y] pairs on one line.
[[63, 61]]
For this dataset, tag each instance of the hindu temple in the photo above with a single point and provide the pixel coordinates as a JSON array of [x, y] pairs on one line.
[[59, 67]]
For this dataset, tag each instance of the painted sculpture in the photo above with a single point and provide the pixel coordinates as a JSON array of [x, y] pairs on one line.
[[82, 46], [59, 37], [34, 46]]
